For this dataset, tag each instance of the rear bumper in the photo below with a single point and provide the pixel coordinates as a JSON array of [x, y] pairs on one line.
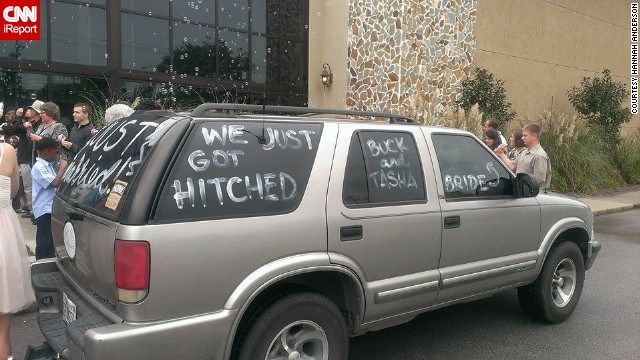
[[94, 336], [593, 249]]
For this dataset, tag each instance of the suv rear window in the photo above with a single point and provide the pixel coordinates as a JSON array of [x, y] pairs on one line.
[[223, 171], [99, 176]]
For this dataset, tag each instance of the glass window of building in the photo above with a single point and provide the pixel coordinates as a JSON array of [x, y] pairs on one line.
[[233, 55], [194, 50], [78, 34], [19, 89], [178, 51], [151, 8], [258, 59], [197, 11], [234, 13], [70, 90], [258, 18], [145, 42]]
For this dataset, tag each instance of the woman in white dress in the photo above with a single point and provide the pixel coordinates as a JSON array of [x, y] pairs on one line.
[[15, 284]]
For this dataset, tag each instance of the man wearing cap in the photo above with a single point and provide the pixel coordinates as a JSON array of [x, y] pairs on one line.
[[30, 120]]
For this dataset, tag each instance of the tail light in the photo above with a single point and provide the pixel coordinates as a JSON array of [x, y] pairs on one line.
[[132, 265]]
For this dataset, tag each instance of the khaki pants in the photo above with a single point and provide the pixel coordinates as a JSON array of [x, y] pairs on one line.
[[25, 173]]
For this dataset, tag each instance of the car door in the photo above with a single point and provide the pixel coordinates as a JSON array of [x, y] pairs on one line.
[[490, 236], [384, 218]]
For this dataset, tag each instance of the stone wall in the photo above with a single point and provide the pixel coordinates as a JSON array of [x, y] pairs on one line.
[[408, 52]]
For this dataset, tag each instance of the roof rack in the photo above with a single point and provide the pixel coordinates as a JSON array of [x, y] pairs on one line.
[[209, 109]]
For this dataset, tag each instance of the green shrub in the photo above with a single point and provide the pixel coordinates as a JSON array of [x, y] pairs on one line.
[[627, 157], [600, 100], [579, 161], [489, 93]]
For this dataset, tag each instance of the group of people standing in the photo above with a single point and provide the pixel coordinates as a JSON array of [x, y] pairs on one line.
[[43, 146], [34, 150], [526, 154]]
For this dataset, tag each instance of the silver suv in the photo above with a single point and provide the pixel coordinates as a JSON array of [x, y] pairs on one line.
[[250, 232]]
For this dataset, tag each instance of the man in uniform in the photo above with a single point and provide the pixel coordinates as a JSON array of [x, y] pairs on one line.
[[533, 160]]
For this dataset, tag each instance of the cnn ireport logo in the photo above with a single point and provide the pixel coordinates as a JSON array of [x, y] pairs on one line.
[[20, 20]]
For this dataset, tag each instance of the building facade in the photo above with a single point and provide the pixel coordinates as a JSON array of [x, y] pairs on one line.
[[541, 49], [180, 52], [388, 54], [384, 55]]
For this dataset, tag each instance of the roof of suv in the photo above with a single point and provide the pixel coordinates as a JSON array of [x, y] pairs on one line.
[[209, 110]]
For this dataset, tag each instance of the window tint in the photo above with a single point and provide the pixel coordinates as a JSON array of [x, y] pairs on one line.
[[223, 172], [100, 175], [468, 170], [383, 167]]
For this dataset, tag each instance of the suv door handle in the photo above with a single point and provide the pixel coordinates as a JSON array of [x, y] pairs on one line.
[[452, 222], [351, 233]]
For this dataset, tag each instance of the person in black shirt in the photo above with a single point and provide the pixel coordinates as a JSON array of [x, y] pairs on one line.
[[6, 127], [25, 146], [81, 132]]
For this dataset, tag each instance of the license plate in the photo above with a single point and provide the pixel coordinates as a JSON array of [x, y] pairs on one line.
[[68, 309]]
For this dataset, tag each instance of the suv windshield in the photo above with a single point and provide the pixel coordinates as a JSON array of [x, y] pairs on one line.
[[98, 177]]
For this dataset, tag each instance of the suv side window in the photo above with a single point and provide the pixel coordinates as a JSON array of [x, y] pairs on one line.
[[468, 171], [383, 168], [224, 172]]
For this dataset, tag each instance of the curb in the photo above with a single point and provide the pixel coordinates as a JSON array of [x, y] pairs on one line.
[[616, 209]]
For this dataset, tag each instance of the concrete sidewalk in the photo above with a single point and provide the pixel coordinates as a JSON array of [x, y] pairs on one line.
[[609, 204], [599, 205]]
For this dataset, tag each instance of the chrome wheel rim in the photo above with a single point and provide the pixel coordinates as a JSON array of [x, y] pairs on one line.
[[563, 283], [300, 340]]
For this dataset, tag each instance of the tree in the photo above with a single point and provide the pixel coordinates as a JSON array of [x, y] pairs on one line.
[[600, 100], [490, 95]]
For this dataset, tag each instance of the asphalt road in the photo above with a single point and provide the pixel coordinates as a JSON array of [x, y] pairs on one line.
[[605, 325]]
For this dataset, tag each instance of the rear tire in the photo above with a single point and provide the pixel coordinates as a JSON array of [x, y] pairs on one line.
[[555, 293], [307, 325]]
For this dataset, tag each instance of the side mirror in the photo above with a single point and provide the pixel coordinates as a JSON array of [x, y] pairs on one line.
[[526, 186]]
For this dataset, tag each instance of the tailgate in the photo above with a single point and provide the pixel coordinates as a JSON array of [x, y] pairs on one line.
[[85, 245], [113, 176]]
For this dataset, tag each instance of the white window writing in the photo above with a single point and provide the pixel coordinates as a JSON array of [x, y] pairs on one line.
[[472, 182], [237, 189]]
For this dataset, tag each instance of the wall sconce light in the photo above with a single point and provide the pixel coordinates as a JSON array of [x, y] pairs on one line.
[[326, 75]]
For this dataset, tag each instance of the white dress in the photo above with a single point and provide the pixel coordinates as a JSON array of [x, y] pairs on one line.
[[16, 292]]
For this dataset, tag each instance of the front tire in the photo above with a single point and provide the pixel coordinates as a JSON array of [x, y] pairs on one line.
[[298, 326], [555, 293]]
